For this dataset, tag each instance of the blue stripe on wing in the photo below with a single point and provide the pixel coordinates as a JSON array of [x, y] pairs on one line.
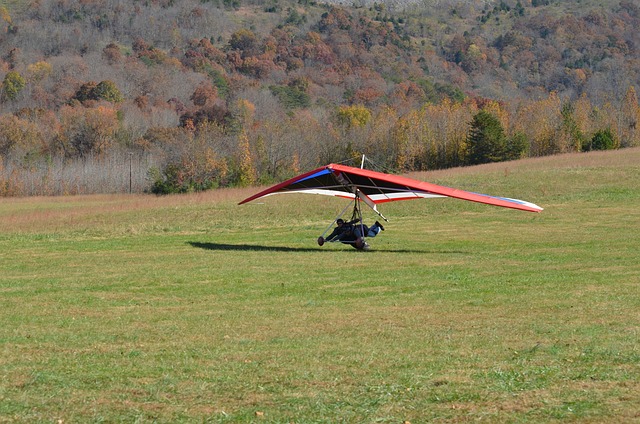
[[317, 174]]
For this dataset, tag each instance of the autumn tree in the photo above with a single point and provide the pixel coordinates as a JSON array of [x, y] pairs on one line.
[[104, 90], [378, 145], [147, 53], [276, 145], [215, 113], [246, 172], [12, 85], [541, 120], [16, 132], [245, 41], [245, 112], [107, 90], [353, 116], [446, 138], [570, 129], [336, 18], [204, 95], [409, 139], [87, 131], [112, 53], [582, 111], [195, 167], [628, 121], [6, 17], [86, 92], [38, 71]]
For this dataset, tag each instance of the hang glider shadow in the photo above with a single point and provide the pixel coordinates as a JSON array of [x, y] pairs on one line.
[[260, 248], [250, 247]]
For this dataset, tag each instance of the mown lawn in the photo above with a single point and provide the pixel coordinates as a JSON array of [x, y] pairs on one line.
[[191, 308]]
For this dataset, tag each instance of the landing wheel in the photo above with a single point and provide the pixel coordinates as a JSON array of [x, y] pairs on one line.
[[361, 244]]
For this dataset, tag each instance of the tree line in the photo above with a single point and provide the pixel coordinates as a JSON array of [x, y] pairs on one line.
[[206, 155]]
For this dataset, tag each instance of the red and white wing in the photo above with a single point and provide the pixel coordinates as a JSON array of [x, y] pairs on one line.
[[377, 187]]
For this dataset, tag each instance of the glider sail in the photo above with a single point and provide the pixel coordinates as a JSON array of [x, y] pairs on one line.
[[376, 187]]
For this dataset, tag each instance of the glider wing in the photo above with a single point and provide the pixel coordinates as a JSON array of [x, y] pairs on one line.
[[377, 187]]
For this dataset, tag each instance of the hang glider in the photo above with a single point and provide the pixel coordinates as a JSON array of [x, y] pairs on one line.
[[374, 187]]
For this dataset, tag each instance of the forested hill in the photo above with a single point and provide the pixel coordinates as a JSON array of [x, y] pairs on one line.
[[227, 92]]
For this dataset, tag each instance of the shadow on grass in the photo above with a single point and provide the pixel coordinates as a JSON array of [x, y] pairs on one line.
[[260, 248], [251, 247]]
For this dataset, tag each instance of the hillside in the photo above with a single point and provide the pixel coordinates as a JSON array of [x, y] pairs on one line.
[[218, 93]]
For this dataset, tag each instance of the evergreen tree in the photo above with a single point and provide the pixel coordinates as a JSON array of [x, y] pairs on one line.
[[517, 147], [486, 141], [601, 140]]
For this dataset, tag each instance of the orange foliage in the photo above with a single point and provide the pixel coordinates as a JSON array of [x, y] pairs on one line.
[[204, 95], [87, 130]]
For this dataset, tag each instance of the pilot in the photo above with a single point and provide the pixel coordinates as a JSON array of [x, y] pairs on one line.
[[349, 232]]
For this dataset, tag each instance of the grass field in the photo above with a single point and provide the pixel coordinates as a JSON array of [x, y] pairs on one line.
[[193, 309]]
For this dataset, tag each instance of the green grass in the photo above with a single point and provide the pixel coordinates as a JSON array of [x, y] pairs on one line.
[[191, 308]]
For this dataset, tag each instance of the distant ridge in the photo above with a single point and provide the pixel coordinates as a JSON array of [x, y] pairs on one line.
[[391, 4]]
